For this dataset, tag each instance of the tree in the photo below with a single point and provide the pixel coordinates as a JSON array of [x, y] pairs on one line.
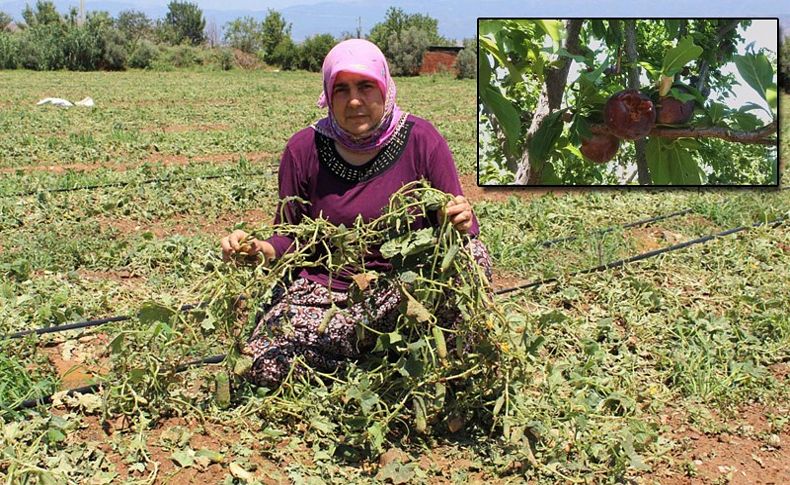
[[466, 62], [185, 22], [406, 50], [134, 25], [275, 38], [546, 126], [45, 13], [313, 51], [397, 21], [5, 19], [245, 34], [784, 61]]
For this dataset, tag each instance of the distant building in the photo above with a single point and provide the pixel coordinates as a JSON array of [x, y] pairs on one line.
[[11, 27], [439, 59]]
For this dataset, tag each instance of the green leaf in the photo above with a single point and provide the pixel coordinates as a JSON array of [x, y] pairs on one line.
[[55, 436], [716, 112], [506, 114], [153, 312], [758, 73], [376, 436], [183, 458], [544, 139], [770, 96], [397, 473], [671, 163], [677, 57], [552, 28], [598, 28]]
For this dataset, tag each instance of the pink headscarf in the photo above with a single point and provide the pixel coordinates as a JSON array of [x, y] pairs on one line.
[[360, 57]]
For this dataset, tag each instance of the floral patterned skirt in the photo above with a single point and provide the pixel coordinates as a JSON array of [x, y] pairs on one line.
[[307, 322]]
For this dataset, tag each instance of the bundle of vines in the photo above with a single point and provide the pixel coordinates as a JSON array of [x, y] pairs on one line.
[[425, 374]]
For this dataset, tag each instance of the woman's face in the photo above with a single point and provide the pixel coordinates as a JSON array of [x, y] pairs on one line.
[[357, 103]]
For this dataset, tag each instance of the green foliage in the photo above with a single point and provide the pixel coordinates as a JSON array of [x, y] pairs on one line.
[[184, 23], [5, 19], [40, 47], [143, 54], [396, 22], [222, 58], [134, 25], [245, 34], [276, 40], [313, 51], [44, 13], [285, 55], [9, 51], [466, 62], [405, 51], [674, 52]]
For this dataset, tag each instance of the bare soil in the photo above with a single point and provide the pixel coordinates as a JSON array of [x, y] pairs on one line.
[[742, 448]]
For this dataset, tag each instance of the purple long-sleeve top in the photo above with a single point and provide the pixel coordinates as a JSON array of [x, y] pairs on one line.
[[312, 169]]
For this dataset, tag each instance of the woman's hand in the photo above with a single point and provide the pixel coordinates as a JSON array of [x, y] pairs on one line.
[[242, 244], [459, 212]]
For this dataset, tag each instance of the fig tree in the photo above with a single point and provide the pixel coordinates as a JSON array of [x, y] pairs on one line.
[[629, 114], [600, 148]]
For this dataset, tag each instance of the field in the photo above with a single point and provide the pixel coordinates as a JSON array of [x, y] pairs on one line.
[[671, 369]]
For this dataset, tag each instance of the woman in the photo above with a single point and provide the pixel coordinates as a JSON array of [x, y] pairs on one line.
[[347, 164]]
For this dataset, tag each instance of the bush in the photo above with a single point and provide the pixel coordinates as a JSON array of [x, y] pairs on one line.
[[222, 58], [285, 55], [313, 51], [406, 51], [9, 47], [183, 56], [41, 47], [114, 50], [466, 62], [143, 54]]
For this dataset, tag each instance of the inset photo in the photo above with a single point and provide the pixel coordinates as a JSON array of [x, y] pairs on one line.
[[627, 102]]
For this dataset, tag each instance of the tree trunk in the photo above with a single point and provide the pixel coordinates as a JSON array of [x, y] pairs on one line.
[[529, 172]]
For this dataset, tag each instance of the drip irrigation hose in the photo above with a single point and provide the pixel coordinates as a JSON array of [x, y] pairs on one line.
[[642, 256], [142, 182], [613, 264], [85, 324]]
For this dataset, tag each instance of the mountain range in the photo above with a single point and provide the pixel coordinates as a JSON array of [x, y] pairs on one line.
[[457, 18]]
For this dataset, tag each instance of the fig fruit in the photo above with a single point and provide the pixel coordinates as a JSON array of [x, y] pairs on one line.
[[629, 114], [672, 111], [600, 148]]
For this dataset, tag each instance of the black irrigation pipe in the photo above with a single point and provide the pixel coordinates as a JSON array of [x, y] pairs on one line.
[[76, 325], [215, 359], [609, 265], [101, 321], [642, 256], [92, 388], [142, 182]]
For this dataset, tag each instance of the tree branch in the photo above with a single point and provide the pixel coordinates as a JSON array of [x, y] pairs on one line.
[[529, 171], [756, 137], [640, 146]]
